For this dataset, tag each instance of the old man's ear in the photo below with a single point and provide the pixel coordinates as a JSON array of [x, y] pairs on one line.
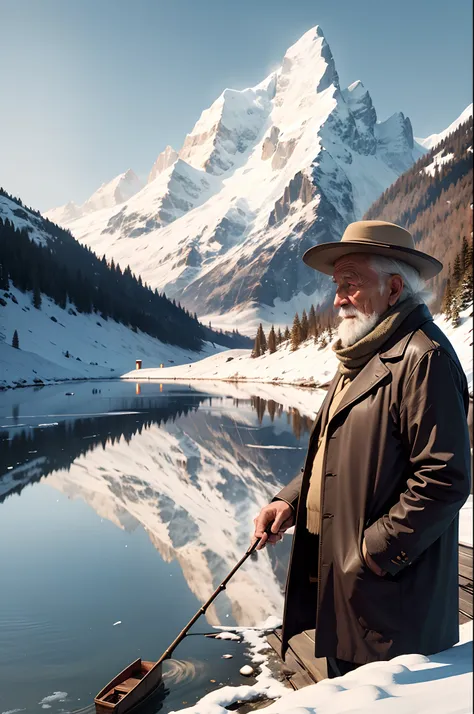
[[396, 287]]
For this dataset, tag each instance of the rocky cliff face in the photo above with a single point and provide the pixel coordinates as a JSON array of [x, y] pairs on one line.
[[265, 173]]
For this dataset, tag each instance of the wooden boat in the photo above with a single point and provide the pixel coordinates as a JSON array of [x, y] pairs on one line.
[[129, 688]]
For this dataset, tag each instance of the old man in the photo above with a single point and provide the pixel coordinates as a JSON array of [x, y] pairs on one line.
[[374, 564]]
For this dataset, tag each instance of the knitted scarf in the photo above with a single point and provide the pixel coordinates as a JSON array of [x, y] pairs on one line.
[[353, 358]]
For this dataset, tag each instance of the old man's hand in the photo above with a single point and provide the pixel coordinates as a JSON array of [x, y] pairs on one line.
[[280, 515]]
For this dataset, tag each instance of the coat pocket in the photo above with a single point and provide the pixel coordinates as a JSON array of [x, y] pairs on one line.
[[376, 601]]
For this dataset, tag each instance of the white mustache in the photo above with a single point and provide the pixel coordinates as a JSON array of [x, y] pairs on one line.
[[348, 311]]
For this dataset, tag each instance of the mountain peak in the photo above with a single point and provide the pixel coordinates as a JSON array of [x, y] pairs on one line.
[[164, 161], [312, 56], [265, 173], [110, 194]]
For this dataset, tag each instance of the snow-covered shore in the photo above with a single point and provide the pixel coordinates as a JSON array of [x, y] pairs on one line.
[[309, 365], [409, 684]]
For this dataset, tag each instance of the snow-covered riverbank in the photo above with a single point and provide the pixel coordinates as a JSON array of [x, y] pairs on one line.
[[309, 365], [409, 684]]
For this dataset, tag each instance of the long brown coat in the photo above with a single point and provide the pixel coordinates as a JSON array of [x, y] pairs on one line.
[[396, 471]]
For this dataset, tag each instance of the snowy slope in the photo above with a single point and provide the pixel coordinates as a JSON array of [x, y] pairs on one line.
[[434, 139], [265, 173], [60, 344], [97, 347], [109, 195]]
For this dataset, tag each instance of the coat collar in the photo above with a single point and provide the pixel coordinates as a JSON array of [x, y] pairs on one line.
[[397, 344], [376, 370]]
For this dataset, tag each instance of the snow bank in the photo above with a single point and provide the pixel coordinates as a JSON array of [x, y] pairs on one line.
[[410, 684], [265, 686], [308, 365]]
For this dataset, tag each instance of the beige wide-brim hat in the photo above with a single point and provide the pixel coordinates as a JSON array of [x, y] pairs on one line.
[[374, 238]]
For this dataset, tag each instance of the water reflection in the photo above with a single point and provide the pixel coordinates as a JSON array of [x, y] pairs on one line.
[[132, 504], [188, 467]]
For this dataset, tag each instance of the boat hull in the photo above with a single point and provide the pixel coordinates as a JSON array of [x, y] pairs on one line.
[[131, 687]]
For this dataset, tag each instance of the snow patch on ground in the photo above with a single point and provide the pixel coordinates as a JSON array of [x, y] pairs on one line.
[[438, 160]]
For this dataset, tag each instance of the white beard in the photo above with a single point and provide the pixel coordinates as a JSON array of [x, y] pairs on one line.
[[353, 329]]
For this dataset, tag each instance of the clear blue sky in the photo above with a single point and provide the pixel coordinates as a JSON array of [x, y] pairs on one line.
[[93, 87]]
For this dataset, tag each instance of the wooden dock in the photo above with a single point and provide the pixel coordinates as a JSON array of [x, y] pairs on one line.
[[302, 668]]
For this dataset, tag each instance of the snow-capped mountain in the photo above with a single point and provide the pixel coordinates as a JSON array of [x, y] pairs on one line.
[[434, 139], [109, 195], [265, 173]]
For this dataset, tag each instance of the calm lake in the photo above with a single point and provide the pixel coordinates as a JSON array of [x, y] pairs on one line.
[[122, 506]]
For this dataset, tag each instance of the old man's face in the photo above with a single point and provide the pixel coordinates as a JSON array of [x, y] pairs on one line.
[[362, 296]]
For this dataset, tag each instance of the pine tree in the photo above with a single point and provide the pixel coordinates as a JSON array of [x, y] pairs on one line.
[[466, 256], [15, 341], [304, 326], [37, 297], [272, 341], [457, 272], [4, 282], [257, 349], [287, 335], [446, 305], [279, 337], [296, 333], [455, 310], [464, 293], [312, 322], [263, 339]]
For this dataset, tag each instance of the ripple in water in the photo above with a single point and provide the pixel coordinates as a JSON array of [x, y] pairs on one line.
[[177, 671]]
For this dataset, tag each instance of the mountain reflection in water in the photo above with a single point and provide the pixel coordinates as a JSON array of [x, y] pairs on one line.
[[132, 507]]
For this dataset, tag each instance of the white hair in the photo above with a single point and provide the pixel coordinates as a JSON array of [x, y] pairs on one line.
[[413, 284]]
